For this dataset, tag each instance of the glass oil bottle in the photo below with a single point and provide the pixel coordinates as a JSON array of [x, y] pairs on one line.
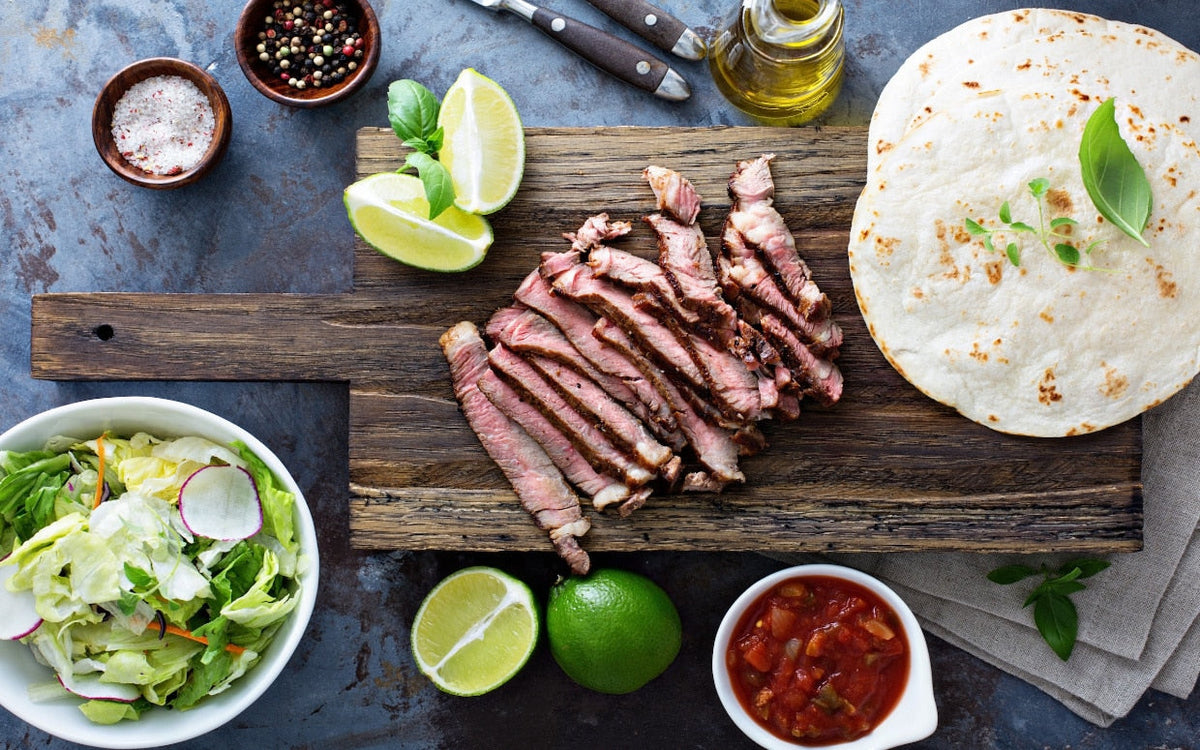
[[780, 61]]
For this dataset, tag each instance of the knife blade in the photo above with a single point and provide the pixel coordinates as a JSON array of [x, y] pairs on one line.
[[613, 55], [655, 26]]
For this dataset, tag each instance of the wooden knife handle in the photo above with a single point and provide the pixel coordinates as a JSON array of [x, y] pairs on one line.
[[652, 24], [611, 54]]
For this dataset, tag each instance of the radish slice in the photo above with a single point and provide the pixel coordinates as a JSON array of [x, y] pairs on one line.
[[18, 610], [221, 502], [89, 686]]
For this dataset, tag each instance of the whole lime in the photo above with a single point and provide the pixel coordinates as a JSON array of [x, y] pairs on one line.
[[613, 630]]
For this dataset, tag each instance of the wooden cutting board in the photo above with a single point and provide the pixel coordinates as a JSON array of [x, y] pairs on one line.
[[885, 469]]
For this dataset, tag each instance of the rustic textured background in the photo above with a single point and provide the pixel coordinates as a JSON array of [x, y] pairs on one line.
[[270, 219]]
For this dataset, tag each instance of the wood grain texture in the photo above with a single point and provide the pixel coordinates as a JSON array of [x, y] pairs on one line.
[[885, 469]]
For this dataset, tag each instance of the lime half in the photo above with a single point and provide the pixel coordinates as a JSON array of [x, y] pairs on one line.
[[390, 212], [484, 145], [475, 630]]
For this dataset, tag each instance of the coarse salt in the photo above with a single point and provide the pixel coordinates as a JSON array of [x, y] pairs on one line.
[[163, 125]]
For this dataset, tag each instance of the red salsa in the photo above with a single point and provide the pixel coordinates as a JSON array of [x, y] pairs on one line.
[[818, 660]]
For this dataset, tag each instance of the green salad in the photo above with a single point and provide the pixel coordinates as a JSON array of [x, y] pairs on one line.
[[144, 571]]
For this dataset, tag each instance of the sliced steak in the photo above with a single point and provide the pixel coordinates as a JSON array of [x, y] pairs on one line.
[[575, 322], [673, 193], [526, 331], [586, 436], [615, 420], [537, 482], [603, 489], [712, 445]]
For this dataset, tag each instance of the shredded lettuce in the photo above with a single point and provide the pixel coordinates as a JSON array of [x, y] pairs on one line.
[[125, 590]]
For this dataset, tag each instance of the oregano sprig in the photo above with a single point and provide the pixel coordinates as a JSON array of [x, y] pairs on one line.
[[1053, 237], [413, 114], [1054, 613]]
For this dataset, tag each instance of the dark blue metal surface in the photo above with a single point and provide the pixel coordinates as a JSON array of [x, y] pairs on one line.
[[270, 219]]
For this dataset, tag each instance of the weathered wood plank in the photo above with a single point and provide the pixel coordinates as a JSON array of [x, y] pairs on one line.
[[885, 469]]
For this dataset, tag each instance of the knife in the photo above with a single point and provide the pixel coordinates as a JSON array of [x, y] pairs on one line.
[[656, 26], [611, 54]]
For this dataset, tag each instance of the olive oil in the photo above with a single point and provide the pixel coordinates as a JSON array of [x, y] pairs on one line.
[[781, 61]]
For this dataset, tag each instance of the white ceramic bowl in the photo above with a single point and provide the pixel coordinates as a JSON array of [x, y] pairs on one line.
[[163, 418], [915, 714]]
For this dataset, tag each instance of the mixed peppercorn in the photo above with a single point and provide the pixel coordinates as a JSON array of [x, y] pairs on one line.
[[310, 44]]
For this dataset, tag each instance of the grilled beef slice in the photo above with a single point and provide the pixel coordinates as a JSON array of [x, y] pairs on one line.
[[537, 482]]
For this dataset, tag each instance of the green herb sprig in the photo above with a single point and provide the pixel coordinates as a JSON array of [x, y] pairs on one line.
[[413, 114], [1051, 237], [1053, 611]]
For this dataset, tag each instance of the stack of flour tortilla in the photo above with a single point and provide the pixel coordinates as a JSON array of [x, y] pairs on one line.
[[964, 126]]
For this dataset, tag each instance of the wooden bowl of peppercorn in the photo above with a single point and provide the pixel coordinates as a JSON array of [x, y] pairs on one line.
[[307, 53]]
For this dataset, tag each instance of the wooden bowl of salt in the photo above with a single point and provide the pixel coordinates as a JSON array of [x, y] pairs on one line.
[[161, 123]]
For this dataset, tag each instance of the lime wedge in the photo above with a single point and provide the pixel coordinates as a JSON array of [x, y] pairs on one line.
[[484, 144], [475, 630], [390, 213]]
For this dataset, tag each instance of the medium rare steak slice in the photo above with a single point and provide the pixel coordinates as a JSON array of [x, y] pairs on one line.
[[743, 274], [575, 322], [615, 420], [526, 331], [586, 436], [580, 283], [640, 274], [537, 482], [603, 489], [713, 445], [673, 193], [752, 189]]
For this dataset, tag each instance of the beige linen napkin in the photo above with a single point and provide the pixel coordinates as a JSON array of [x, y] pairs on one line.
[[1139, 620]]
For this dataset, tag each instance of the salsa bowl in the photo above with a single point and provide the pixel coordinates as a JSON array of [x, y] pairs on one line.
[[157, 726], [792, 647]]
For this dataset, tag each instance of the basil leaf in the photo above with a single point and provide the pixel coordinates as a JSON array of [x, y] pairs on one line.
[[1007, 574], [439, 189], [1005, 212], [1114, 179], [1062, 221], [1058, 622], [1088, 566], [1020, 226], [1068, 254], [974, 227], [1039, 187], [988, 244], [413, 113]]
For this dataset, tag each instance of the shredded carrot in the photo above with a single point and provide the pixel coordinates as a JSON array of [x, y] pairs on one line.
[[232, 648], [99, 472]]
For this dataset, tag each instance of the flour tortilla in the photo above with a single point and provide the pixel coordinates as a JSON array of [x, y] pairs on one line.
[[1041, 349]]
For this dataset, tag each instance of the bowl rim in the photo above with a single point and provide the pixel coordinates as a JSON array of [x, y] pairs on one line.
[[164, 727], [913, 718], [106, 102], [247, 62]]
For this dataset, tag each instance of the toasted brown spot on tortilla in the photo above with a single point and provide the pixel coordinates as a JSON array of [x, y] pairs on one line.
[[882, 147], [1020, 16], [1167, 288], [961, 235], [1081, 96], [971, 84], [1115, 384], [1059, 200], [977, 353], [1185, 118], [995, 271], [1025, 65], [1047, 393], [917, 292], [924, 67], [885, 246], [1046, 316], [993, 418]]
